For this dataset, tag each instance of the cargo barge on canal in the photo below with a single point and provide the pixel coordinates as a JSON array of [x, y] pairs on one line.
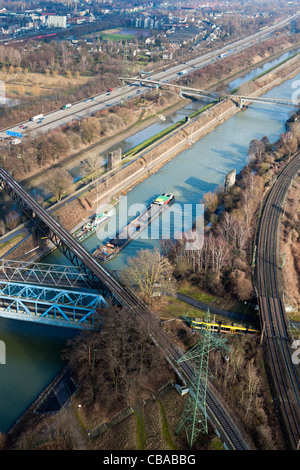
[[107, 251], [91, 226]]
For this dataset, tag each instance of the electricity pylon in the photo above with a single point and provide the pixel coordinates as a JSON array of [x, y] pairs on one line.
[[194, 416]]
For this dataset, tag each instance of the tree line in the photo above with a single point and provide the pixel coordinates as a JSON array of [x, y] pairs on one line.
[[223, 263], [111, 364]]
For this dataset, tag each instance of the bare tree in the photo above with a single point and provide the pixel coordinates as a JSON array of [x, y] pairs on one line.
[[241, 285], [90, 129], [2, 227], [210, 201], [224, 227], [92, 165], [58, 182], [150, 273], [109, 364], [256, 148], [287, 144], [12, 220], [248, 205], [295, 129]]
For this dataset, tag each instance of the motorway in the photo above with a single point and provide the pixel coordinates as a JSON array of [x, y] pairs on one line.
[[89, 106], [285, 373], [226, 428]]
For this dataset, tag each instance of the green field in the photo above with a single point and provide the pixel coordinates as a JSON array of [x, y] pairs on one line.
[[111, 34], [116, 36]]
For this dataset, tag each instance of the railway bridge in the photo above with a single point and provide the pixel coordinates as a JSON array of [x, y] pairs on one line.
[[51, 306]]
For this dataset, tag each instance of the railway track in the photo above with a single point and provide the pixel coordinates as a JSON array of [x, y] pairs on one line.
[[123, 295], [285, 374]]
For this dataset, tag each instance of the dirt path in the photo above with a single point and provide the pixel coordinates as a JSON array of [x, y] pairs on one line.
[[77, 433]]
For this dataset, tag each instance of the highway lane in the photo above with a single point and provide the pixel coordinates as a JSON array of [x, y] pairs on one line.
[[89, 106]]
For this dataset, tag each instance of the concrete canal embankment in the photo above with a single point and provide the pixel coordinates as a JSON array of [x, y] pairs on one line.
[[51, 400]]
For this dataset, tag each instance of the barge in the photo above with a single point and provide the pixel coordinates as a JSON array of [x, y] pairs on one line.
[[107, 251], [91, 226]]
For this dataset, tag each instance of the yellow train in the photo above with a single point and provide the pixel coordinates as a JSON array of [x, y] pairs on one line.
[[219, 327]]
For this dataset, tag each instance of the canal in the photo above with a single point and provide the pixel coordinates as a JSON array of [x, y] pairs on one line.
[[33, 352]]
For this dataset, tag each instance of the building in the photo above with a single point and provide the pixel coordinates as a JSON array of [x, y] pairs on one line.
[[54, 21], [167, 55]]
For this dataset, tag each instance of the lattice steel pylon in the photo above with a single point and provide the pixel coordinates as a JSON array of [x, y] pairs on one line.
[[194, 416]]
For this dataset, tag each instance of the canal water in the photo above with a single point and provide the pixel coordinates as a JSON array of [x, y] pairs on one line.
[[33, 352]]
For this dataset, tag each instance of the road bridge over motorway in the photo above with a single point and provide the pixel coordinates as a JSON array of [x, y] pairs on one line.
[[240, 99], [109, 287]]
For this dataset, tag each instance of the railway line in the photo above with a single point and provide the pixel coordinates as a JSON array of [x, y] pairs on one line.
[[285, 374], [125, 297]]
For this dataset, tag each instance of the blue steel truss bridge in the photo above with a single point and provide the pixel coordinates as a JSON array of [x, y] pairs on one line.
[[51, 306], [50, 294]]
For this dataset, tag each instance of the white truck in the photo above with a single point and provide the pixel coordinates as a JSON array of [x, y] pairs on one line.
[[183, 72], [16, 141], [36, 118], [66, 106]]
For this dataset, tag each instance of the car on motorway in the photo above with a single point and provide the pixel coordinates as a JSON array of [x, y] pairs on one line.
[[40, 121], [25, 127], [21, 126]]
